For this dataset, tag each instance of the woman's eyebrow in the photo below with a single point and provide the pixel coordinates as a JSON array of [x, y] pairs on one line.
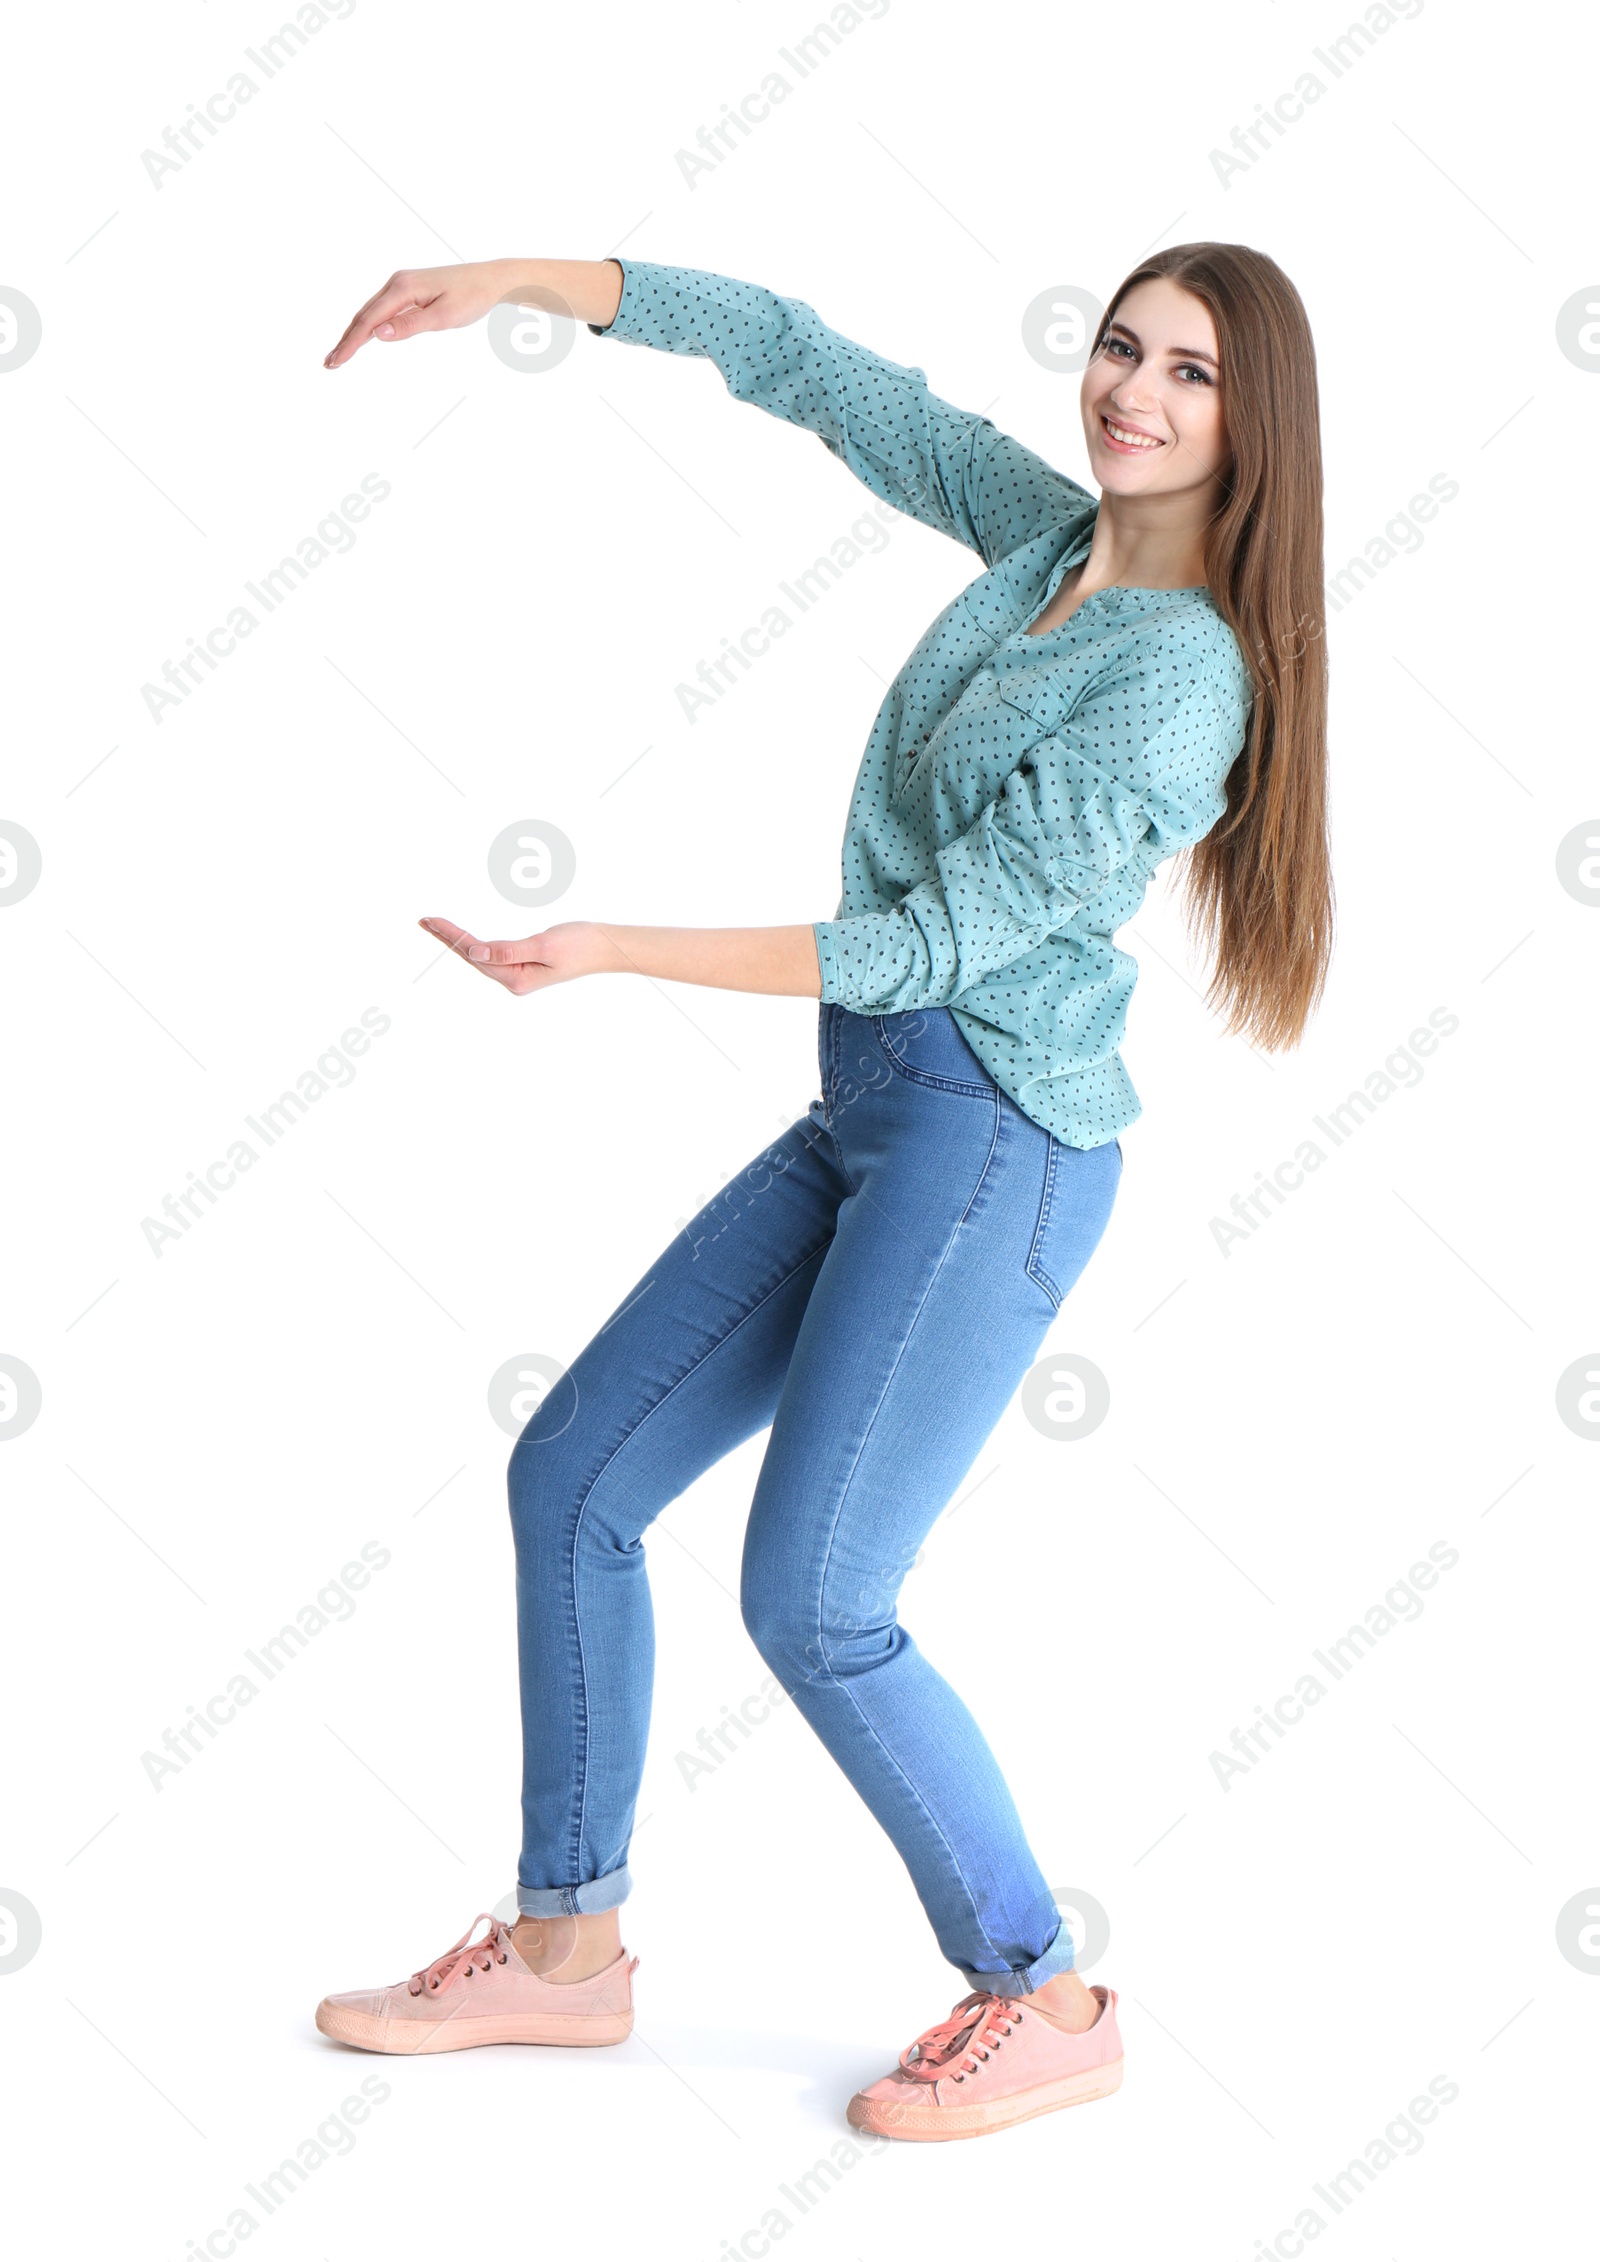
[[1184, 353]]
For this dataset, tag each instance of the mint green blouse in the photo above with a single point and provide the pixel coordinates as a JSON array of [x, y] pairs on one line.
[[1016, 792]]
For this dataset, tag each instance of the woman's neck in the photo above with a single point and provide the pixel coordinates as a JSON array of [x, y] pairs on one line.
[[1138, 549]]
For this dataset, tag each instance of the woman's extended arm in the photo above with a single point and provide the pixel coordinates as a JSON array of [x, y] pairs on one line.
[[946, 466], [448, 298], [781, 961]]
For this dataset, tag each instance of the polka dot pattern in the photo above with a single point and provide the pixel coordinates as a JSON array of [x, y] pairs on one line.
[[1016, 792]]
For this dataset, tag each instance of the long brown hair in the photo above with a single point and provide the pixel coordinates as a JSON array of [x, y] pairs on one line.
[[1259, 887]]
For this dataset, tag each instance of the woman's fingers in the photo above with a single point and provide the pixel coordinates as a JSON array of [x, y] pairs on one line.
[[524, 953], [446, 932], [458, 940], [399, 310], [514, 965], [391, 300], [405, 321], [425, 298]]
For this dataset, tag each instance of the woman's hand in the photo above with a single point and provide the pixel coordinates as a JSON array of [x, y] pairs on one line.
[[778, 961], [560, 954], [448, 298]]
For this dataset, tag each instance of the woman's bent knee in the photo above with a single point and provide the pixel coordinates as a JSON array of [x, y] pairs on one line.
[[571, 1487], [544, 1484], [805, 1645]]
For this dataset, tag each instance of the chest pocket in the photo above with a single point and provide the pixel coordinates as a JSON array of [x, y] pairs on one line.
[[1046, 696]]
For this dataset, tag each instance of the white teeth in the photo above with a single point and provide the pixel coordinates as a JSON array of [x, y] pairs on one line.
[[1133, 439]]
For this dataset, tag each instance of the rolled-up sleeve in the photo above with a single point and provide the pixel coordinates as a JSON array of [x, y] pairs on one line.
[[1064, 824], [948, 467]]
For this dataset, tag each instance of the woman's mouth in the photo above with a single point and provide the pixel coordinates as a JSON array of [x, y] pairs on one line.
[[1125, 441]]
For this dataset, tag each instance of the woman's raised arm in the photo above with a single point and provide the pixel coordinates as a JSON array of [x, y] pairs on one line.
[[947, 466], [448, 298]]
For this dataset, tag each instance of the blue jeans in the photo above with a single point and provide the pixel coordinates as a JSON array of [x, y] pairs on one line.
[[874, 1287]]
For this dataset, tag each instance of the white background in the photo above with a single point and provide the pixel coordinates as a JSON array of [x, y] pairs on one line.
[[1292, 1426]]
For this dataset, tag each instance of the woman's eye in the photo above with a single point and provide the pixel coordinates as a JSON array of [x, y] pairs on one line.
[[1200, 373]]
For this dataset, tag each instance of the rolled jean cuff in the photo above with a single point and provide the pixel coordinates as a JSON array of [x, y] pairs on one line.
[[575, 1900], [1056, 1958]]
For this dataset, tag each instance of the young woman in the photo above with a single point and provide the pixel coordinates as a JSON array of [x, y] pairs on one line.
[[877, 1283]]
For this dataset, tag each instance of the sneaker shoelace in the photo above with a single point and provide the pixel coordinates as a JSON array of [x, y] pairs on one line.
[[462, 1957], [957, 2046]]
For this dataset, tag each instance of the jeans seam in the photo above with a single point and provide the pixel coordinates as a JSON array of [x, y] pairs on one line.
[[988, 1161], [1036, 1270], [844, 1491], [830, 1093], [588, 1493]]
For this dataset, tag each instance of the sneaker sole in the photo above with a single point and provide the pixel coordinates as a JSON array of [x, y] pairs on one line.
[[939, 2124], [418, 2038]]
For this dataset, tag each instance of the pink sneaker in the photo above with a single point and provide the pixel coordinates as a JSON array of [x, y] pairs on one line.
[[993, 2061], [482, 1991]]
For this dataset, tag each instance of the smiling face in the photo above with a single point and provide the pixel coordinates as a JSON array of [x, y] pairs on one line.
[[1152, 395]]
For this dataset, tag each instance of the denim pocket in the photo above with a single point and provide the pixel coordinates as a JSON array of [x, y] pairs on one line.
[[926, 1047]]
